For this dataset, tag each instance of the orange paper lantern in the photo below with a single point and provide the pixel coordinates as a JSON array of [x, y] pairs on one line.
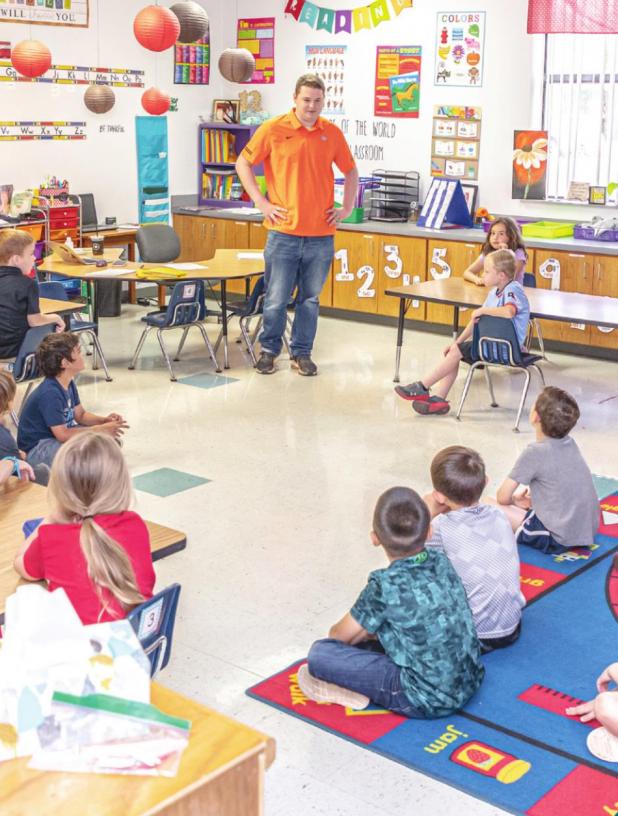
[[155, 101], [237, 64], [30, 58], [156, 28]]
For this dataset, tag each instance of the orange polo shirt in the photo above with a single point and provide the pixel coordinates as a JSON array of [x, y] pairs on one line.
[[298, 165]]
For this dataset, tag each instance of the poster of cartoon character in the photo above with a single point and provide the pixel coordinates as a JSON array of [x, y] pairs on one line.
[[460, 39]]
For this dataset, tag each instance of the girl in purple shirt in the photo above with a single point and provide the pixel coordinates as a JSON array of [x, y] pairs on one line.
[[504, 234]]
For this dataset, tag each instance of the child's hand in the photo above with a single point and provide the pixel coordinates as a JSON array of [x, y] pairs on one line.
[[449, 347], [114, 418], [477, 314], [607, 676], [522, 499], [114, 428], [585, 711], [26, 474], [60, 325]]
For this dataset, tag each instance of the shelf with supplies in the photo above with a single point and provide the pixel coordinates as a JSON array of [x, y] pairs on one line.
[[219, 145]]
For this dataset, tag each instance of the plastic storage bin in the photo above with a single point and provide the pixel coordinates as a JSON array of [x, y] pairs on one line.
[[548, 229]]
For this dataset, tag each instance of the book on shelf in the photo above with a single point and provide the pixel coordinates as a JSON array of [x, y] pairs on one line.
[[221, 184], [218, 146]]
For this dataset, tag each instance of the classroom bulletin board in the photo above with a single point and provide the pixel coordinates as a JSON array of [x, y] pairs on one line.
[[456, 142]]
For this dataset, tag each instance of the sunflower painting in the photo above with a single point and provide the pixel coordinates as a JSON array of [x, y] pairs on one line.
[[529, 164]]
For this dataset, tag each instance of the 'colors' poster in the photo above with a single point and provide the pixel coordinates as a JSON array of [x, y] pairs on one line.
[[459, 48]]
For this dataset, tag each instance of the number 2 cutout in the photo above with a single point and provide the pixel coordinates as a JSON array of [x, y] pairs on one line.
[[363, 290]]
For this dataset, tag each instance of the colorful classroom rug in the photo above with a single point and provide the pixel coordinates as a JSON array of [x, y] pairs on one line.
[[512, 746]]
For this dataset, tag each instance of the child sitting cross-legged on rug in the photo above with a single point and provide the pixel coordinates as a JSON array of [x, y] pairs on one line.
[[479, 542], [602, 742], [408, 644], [559, 508]]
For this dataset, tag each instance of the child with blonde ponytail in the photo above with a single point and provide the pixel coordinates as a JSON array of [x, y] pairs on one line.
[[91, 544]]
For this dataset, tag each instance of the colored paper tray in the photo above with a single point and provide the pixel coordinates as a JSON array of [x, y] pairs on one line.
[[548, 229]]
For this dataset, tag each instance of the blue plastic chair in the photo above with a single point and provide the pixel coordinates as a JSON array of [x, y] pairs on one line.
[[25, 365], [56, 291], [494, 343], [153, 623], [185, 309], [530, 282]]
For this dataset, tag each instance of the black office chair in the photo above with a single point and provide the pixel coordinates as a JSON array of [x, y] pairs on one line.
[[157, 243], [494, 343], [535, 324]]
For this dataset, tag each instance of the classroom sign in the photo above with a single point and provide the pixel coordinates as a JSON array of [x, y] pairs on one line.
[[459, 48], [257, 35], [328, 62], [348, 21], [41, 131], [398, 81], [46, 12]]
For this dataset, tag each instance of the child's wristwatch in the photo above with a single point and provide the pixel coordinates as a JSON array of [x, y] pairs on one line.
[[15, 461]]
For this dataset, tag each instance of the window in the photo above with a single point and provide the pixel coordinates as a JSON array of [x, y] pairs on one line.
[[580, 110]]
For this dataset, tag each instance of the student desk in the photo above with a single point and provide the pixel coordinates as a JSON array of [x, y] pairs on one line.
[[227, 264], [221, 773], [60, 307], [20, 501], [570, 307]]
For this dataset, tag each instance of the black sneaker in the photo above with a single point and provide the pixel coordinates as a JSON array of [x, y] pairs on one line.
[[266, 363], [415, 392], [304, 365], [433, 405]]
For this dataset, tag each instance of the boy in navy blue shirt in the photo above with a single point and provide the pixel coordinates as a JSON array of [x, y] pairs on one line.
[[408, 644], [54, 413], [506, 299]]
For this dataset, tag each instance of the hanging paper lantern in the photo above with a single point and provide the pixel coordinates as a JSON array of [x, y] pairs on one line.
[[237, 64], [99, 98], [193, 21], [156, 28], [30, 58], [155, 101]]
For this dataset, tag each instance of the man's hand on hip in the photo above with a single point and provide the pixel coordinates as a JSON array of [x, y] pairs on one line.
[[336, 214], [272, 213]]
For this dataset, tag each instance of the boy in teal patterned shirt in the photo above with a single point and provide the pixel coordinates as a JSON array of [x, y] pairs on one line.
[[409, 643]]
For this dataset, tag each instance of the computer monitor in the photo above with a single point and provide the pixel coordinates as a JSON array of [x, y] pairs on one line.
[[89, 210]]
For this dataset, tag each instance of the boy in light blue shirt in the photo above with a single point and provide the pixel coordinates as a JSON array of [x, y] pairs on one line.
[[506, 299]]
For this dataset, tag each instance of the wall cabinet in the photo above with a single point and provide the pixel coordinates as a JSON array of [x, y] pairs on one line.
[[355, 285], [401, 262], [446, 259]]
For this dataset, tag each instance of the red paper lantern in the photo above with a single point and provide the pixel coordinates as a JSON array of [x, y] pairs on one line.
[[30, 58], [156, 28], [155, 101]]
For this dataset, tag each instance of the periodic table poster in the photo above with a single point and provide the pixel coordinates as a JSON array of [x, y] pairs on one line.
[[47, 12], [257, 35]]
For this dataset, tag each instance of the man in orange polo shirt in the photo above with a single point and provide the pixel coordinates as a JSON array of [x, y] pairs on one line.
[[298, 150]]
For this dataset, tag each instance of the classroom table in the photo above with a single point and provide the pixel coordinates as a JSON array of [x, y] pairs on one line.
[[61, 307], [225, 265], [119, 236], [221, 773], [20, 501], [548, 304]]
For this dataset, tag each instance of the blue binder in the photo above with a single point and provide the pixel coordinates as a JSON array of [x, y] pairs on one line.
[[445, 206]]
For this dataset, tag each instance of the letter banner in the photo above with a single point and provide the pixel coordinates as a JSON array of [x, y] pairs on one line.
[[345, 20]]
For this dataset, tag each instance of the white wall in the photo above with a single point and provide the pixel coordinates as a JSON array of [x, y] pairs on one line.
[[105, 163]]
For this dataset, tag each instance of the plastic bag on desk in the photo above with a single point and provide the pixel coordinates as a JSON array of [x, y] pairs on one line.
[[46, 648], [104, 734]]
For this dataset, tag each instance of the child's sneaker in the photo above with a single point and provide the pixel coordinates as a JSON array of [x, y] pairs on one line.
[[603, 745], [322, 692], [433, 405], [415, 392]]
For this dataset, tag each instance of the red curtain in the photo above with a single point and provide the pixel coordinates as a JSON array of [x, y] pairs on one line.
[[572, 16]]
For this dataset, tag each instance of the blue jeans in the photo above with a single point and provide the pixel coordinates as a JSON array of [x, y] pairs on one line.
[[43, 452], [294, 262], [364, 668]]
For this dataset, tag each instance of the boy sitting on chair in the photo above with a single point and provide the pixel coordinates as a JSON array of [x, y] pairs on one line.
[[19, 294], [506, 299], [408, 644], [53, 412], [559, 508]]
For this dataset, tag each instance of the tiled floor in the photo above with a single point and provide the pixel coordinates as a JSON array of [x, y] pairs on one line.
[[278, 541]]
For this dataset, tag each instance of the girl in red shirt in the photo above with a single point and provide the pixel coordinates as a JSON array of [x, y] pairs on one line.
[[91, 544]]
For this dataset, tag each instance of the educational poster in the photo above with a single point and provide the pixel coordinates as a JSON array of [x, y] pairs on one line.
[[258, 36], [192, 62], [328, 62], [455, 142], [41, 131], [530, 164], [47, 12], [459, 48], [398, 81]]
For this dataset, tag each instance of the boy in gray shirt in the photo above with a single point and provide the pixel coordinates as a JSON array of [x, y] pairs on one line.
[[479, 543], [559, 508]]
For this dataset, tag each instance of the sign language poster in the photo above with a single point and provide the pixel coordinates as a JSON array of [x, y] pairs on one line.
[[398, 80], [460, 39]]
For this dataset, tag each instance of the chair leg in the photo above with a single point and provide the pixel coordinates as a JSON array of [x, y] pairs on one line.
[[286, 343], [245, 335], [257, 330], [182, 343], [540, 373], [139, 347], [464, 393], [218, 341], [15, 418], [490, 385], [539, 337], [166, 355], [98, 353], [524, 394], [211, 351]]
